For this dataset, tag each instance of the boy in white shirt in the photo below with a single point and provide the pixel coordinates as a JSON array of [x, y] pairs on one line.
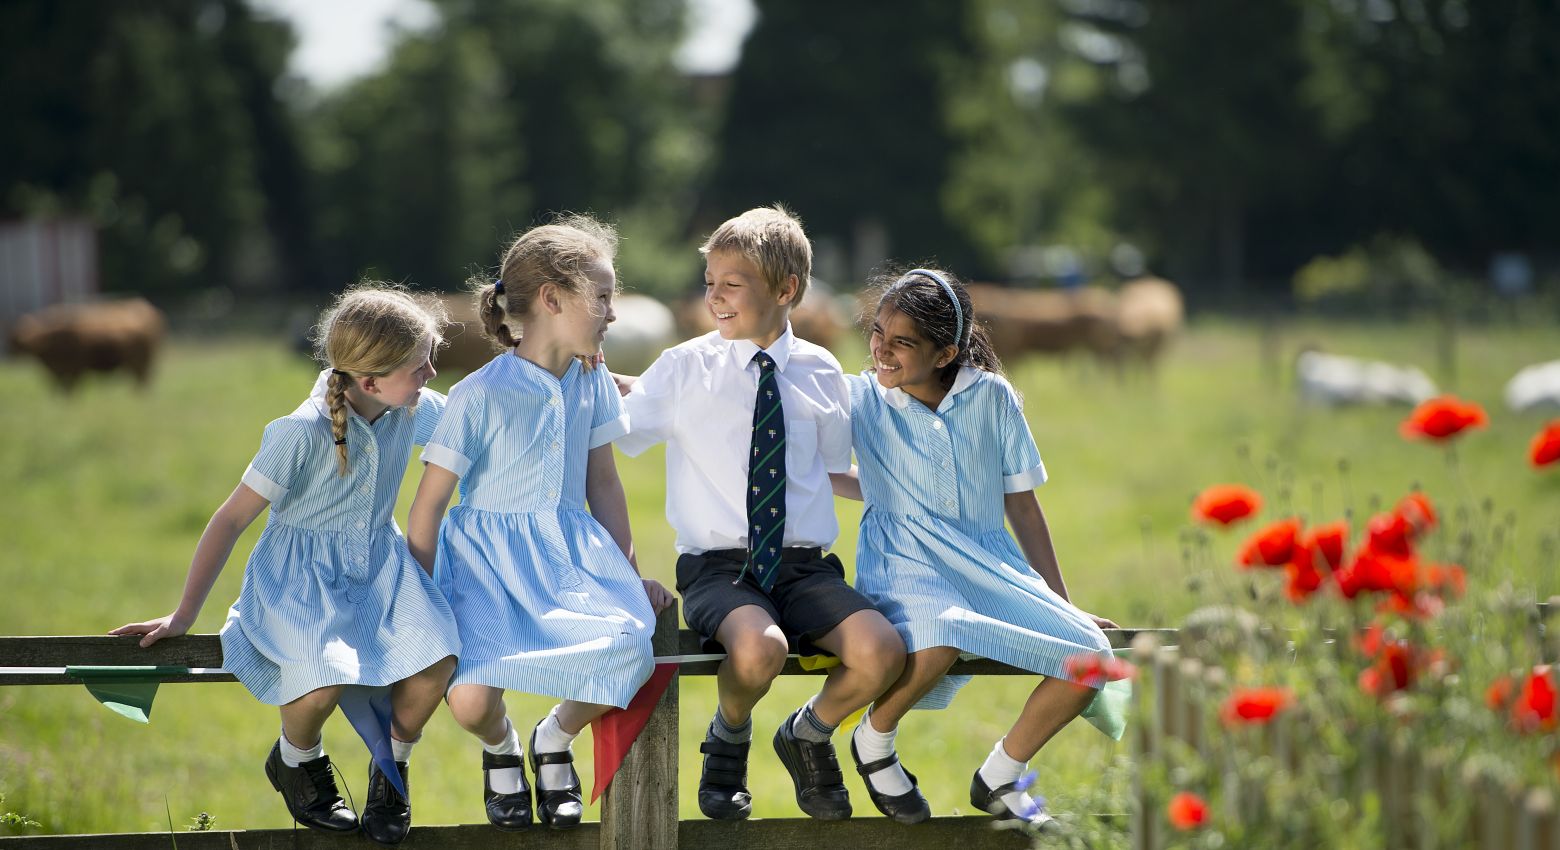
[[756, 422]]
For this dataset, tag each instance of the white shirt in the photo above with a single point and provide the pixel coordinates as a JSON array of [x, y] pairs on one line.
[[698, 397]]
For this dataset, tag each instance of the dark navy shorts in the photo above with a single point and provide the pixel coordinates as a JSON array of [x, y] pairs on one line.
[[808, 599]]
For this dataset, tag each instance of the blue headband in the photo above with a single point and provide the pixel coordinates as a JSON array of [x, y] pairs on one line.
[[958, 312]]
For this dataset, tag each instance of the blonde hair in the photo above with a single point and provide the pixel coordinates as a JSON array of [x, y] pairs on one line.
[[556, 253], [772, 239], [371, 330]]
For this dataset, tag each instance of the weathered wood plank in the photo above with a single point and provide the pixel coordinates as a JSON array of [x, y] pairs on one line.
[[874, 833], [464, 837]]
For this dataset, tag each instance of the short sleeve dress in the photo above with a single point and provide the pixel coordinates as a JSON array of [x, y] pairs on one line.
[[331, 595], [545, 601]]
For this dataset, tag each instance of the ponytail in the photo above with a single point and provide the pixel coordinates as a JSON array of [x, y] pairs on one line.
[[493, 315], [979, 352]]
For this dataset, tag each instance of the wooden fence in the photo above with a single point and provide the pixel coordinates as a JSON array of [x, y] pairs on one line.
[[639, 810]]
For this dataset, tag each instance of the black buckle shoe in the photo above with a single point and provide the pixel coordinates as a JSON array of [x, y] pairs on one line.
[[508, 812], [990, 800], [387, 816], [723, 793], [309, 790], [820, 787], [907, 808], [559, 808]]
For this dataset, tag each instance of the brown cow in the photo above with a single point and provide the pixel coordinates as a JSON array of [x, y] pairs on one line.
[[1149, 311], [1023, 321], [73, 339]]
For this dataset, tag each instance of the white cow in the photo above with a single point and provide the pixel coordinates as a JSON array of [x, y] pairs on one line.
[[1333, 380], [1536, 387]]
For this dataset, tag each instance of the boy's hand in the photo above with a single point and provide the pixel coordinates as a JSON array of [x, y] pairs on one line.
[[155, 630], [625, 383], [660, 597]]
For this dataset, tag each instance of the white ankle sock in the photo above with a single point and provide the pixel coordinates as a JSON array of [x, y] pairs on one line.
[[292, 756], [872, 745], [1000, 769], [550, 738], [402, 750], [506, 780]]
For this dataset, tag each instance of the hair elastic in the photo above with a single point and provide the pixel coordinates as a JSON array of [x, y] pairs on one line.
[[339, 372], [958, 312], [498, 286], [342, 441]]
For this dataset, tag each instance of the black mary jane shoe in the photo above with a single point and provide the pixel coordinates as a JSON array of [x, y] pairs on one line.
[[723, 793], [990, 800], [907, 808], [820, 787], [310, 792], [558, 808], [508, 812], [387, 816]]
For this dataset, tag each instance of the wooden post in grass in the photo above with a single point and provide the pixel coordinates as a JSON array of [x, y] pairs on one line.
[[1536, 820], [639, 809], [1145, 806]]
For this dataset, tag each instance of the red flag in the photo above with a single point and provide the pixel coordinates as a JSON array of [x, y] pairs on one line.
[[617, 730]]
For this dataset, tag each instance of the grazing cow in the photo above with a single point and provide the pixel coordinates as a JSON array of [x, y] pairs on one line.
[[1535, 387], [1023, 321], [73, 339], [1333, 380], [1149, 313], [644, 327]]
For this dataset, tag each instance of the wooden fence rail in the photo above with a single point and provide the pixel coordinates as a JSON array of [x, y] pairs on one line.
[[639, 810]]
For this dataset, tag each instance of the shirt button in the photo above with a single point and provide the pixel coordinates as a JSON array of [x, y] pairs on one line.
[[937, 426]]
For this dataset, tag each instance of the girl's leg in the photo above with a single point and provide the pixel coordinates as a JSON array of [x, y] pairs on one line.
[[413, 700], [874, 738], [479, 709], [1050, 706], [557, 785], [303, 720]]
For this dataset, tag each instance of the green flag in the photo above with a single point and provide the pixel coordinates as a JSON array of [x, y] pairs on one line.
[[127, 691]]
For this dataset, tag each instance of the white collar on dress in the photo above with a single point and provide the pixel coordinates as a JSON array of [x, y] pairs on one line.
[[317, 398], [780, 350], [899, 399]]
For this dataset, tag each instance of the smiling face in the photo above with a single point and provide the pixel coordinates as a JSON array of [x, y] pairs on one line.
[[400, 387], [903, 358], [742, 302]]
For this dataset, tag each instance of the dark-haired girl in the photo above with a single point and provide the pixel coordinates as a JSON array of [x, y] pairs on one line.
[[944, 455]]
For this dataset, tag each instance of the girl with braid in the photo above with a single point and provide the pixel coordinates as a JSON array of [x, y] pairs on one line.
[[944, 456], [331, 595]]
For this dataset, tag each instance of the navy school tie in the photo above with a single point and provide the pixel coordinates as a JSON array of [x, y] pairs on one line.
[[766, 478]]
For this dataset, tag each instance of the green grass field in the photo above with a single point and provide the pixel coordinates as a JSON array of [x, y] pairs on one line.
[[106, 493]]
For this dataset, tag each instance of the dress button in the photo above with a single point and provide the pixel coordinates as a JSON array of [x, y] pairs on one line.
[[358, 559], [944, 463], [554, 445], [949, 503], [553, 400], [937, 426], [359, 524], [552, 494], [365, 489]]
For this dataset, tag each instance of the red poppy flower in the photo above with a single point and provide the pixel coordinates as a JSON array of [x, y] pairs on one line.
[[1272, 546], [1396, 668], [1095, 669], [1255, 705], [1447, 577], [1417, 510], [1534, 709], [1443, 418], [1369, 641], [1226, 503], [1415, 606], [1545, 448], [1304, 578], [1376, 571], [1187, 811], [1390, 534], [1328, 540], [1499, 693]]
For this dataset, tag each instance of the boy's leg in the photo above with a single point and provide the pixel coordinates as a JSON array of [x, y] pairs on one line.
[[299, 768], [755, 653], [387, 816]]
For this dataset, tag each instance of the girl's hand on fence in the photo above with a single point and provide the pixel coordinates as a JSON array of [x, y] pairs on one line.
[[660, 597], [155, 630], [1102, 622]]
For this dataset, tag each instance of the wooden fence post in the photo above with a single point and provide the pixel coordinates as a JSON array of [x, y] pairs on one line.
[[639, 809], [1145, 808]]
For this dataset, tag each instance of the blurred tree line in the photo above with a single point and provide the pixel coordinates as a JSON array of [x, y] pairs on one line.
[[1226, 142]]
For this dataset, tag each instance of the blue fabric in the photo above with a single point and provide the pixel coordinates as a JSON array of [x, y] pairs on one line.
[[544, 599], [934, 554], [331, 595]]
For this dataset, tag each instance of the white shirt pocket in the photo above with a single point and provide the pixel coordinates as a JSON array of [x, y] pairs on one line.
[[801, 445]]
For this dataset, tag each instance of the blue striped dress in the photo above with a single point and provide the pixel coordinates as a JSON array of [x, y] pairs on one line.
[[934, 554], [331, 594], [545, 601]]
